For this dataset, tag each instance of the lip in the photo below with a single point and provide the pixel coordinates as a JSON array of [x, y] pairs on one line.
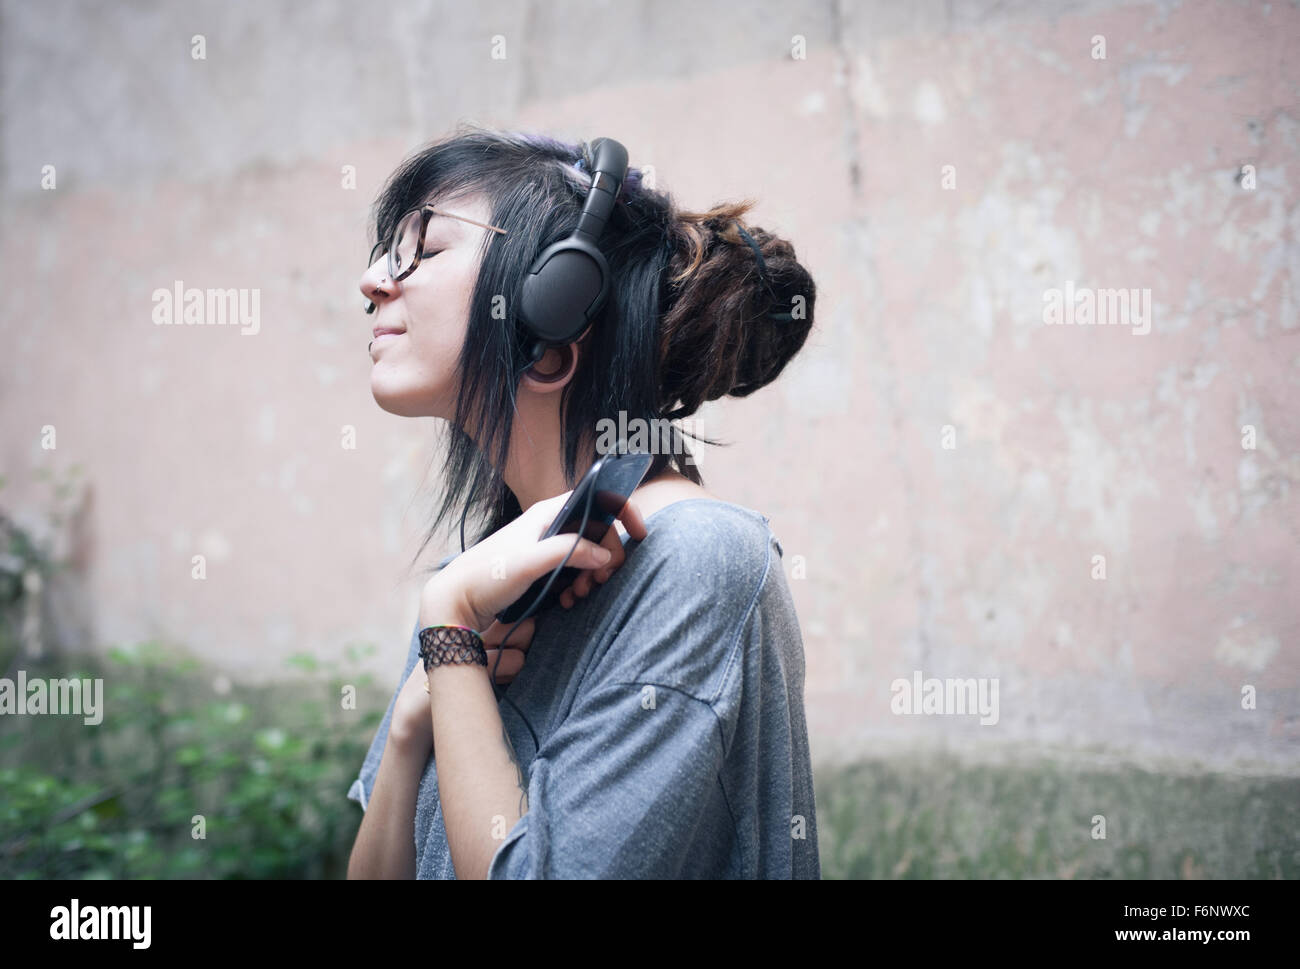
[[379, 331]]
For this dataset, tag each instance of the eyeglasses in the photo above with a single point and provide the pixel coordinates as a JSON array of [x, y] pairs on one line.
[[405, 248]]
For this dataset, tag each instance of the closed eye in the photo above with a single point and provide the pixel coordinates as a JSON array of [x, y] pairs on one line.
[[430, 255]]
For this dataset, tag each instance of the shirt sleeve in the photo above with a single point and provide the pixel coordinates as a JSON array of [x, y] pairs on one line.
[[611, 794]]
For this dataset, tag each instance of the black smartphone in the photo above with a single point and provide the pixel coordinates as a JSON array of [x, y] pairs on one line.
[[613, 478]]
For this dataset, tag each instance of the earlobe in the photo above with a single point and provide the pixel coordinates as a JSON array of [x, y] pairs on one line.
[[555, 366]]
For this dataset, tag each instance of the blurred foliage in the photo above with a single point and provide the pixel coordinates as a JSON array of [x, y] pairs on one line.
[[16, 556], [26, 564], [19, 557], [267, 767]]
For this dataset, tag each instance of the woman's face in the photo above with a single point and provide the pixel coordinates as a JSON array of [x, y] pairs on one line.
[[420, 323]]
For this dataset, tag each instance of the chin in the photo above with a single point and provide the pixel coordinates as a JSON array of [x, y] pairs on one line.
[[401, 402], [404, 398]]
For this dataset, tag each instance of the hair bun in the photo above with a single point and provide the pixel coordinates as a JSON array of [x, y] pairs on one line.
[[723, 331]]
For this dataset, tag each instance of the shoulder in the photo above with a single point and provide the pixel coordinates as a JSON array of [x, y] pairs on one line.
[[688, 592], [709, 539]]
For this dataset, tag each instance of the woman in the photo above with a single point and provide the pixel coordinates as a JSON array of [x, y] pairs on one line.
[[652, 724]]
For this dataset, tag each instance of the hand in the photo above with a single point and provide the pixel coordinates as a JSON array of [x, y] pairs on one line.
[[412, 723], [484, 579], [583, 584]]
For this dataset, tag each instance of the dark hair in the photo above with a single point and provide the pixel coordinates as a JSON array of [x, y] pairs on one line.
[[685, 321]]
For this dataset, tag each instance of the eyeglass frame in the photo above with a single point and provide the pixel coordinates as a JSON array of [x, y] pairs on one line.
[[427, 212]]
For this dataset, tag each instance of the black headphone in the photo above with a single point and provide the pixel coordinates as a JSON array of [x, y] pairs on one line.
[[568, 283]]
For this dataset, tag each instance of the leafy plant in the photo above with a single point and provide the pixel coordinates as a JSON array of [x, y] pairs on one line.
[[188, 775]]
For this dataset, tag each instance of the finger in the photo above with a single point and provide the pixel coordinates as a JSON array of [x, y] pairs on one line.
[[566, 598], [547, 554], [512, 661], [614, 543], [522, 637], [631, 518], [582, 584]]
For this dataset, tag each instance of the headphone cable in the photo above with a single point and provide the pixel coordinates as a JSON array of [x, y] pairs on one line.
[[541, 596]]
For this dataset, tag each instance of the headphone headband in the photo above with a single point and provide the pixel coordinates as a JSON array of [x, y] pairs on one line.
[[568, 283]]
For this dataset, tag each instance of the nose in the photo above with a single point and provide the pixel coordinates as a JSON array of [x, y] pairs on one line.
[[375, 285]]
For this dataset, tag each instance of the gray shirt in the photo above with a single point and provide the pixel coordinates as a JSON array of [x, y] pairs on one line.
[[660, 722]]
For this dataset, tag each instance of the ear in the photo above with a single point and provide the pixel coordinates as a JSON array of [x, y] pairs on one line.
[[553, 370]]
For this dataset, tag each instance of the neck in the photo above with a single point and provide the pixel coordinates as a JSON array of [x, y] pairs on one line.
[[535, 461]]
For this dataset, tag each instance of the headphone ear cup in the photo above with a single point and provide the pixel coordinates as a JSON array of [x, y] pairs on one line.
[[568, 283], [564, 290]]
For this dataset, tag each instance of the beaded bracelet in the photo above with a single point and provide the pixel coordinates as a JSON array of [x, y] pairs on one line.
[[440, 645]]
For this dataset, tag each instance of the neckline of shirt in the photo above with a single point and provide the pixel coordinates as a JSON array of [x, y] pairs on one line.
[[716, 501]]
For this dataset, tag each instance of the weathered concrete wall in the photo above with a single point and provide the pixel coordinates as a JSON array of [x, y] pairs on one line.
[[948, 465]]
